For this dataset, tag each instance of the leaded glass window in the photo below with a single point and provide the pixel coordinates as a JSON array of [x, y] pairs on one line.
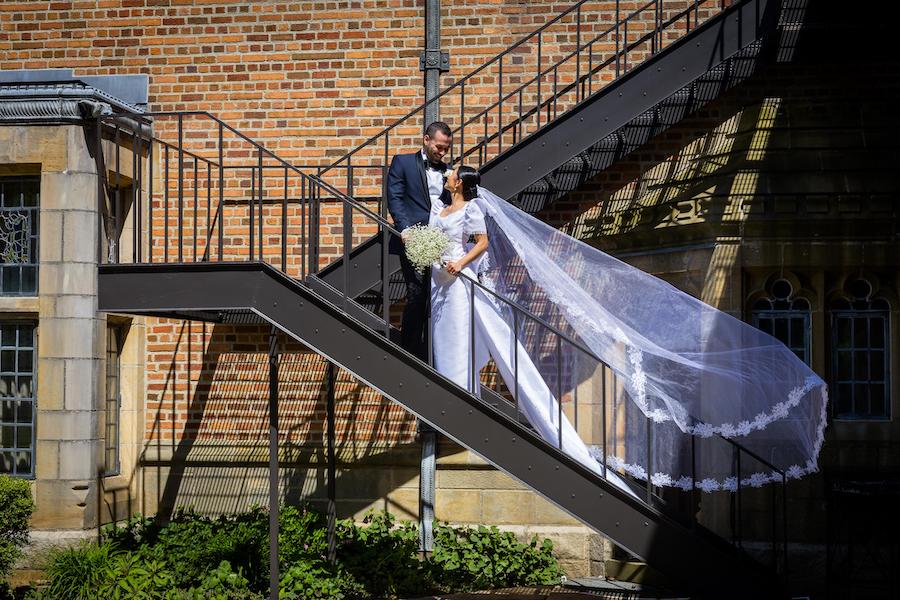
[[113, 400], [860, 333], [785, 317], [19, 227], [17, 398]]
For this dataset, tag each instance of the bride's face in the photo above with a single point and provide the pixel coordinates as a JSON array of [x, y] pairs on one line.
[[452, 182]]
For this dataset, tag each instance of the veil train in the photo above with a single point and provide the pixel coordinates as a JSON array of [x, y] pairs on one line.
[[672, 372]]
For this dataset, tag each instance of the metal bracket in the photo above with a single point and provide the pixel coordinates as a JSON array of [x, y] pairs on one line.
[[434, 59]]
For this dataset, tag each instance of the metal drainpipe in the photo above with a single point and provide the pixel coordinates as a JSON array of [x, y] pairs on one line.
[[433, 62]]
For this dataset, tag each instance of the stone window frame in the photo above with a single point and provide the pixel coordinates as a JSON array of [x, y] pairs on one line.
[[785, 304], [860, 300], [112, 401], [12, 428], [25, 206]]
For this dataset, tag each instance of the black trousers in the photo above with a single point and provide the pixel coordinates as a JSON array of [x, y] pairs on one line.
[[414, 332]]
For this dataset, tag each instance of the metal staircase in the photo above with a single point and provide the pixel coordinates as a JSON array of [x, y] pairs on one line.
[[212, 226], [539, 130]]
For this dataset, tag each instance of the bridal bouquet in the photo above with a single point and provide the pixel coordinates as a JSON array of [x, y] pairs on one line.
[[424, 245]]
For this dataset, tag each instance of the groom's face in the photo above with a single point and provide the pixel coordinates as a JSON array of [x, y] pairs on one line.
[[437, 146]]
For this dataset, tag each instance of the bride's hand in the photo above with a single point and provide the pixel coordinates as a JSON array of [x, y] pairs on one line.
[[454, 267]]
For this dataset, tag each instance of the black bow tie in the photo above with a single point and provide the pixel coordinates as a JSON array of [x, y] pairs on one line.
[[437, 166]]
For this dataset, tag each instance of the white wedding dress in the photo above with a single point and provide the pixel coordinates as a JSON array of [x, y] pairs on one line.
[[452, 336], [669, 382]]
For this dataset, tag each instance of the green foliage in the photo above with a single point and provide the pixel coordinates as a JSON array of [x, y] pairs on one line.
[[77, 573], [127, 576], [226, 558], [16, 507], [221, 584], [315, 580], [383, 556], [479, 558], [302, 535], [193, 545]]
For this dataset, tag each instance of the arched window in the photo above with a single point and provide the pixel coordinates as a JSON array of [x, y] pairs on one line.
[[785, 317], [860, 331]]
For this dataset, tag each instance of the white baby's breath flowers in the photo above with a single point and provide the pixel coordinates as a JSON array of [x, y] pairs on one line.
[[424, 245]]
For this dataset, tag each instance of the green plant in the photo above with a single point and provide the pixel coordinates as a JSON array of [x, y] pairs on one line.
[[194, 545], [307, 580], [302, 535], [16, 507], [222, 583], [127, 576], [485, 557], [383, 555], [76, 573]]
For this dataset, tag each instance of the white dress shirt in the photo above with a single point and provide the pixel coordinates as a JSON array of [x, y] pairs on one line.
[[435, 179]]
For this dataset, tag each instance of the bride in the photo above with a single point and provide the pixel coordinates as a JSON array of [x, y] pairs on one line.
[[685, 380]]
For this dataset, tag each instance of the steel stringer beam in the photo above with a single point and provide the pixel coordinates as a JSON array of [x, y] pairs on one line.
[[695, 559], [630, 95]]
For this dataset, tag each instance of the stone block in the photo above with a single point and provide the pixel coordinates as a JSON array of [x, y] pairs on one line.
[[67, 425], [79, 233], [45, 146], [69, 191], [403, 503], [547, 512], [78, 460], [20, 304], [508, 507], [81, 383], [51, 231], [569, 543], [458, 506], [575, 568], [75, 307], [363, 483], [475, 479], [58, 506], [74, 278], [51, 377], [46, 456], [79, 157], [66, 338]]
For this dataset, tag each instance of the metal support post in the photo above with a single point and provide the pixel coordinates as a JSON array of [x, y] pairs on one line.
[[273, 464], [433, 62], [332, 506]]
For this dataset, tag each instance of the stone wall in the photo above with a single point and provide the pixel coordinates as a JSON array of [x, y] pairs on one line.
[[70, 333]]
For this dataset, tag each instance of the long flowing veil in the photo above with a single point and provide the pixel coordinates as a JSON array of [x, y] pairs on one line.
[[657, 381]]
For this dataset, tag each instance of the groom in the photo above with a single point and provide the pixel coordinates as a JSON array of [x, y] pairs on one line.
[[414, 181]]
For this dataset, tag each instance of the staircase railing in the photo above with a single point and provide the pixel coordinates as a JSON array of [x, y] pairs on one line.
[[530, 84], [194, 189]]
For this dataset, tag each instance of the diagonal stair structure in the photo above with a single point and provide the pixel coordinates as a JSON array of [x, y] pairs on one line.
[[212, 226], [608, 108]]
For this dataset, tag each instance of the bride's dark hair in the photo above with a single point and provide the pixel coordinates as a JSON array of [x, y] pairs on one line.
[[470, 179]]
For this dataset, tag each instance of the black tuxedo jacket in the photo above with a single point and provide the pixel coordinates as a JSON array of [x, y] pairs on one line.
[[408, 199]]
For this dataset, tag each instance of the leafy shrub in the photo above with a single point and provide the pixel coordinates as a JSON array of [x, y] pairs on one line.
[[77, 573], [485, 557], [383, 555], [226, 558], [16, 507], [302, 535], [193, 545], [315, 580], [127, 576], [221, 584]]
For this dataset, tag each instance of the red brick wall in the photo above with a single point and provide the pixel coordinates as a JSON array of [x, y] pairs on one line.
[[210, 383], [308, 79]]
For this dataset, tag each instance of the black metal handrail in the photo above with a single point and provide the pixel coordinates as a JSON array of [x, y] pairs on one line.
[[312, 189], [620, 57]]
